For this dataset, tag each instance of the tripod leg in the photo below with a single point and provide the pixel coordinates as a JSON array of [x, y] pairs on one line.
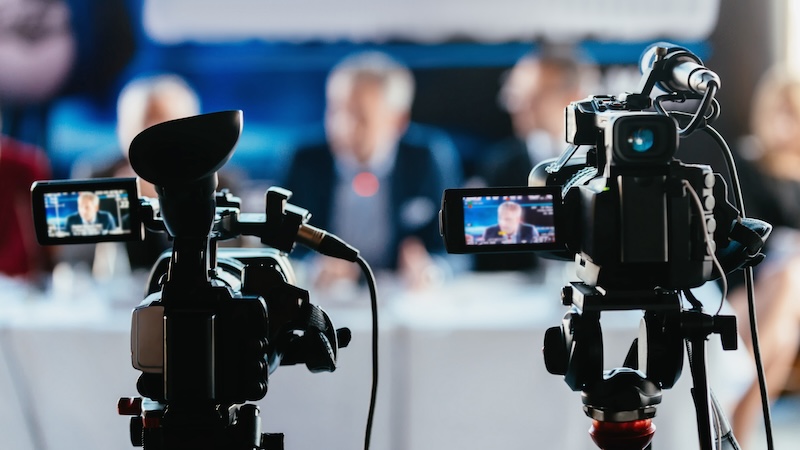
[[700, 392]]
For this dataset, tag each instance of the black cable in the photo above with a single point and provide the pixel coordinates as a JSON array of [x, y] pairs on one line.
[[332, 245], [731, 164], [657, 104], [699, 206], [715, 113], [762, 380], [707, 112], [373, 295], [749, 286], [673, 97], [701, 110], [696, 304]]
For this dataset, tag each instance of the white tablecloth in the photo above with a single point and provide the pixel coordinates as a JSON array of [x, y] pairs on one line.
[[461, 368]]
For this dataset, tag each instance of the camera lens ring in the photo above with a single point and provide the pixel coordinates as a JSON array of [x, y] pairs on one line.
[[639, 139]]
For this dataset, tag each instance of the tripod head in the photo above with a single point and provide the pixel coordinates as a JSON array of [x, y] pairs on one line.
[[622, 401]]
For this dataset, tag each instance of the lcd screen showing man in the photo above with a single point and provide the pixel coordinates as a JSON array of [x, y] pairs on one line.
[[509, 219], [87, 213]]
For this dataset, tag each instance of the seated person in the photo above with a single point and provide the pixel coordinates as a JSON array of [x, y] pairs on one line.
[[534, 93], [510, 227], [89, 220], [142, 103], [373, 189], [771, 185], [20, 255]]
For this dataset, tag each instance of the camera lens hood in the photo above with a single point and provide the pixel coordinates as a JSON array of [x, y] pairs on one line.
[[182, 151]]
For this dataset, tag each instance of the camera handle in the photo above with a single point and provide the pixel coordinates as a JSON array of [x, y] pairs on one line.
[[622, 401]]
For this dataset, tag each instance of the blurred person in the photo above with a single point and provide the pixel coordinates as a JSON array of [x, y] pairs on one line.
[[145, 102], [534, 93], [142, 103], [20, 254], [770, 178], [375, 190]]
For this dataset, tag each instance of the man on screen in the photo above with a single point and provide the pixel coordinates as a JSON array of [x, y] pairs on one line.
[[89, 220], [510, 229]]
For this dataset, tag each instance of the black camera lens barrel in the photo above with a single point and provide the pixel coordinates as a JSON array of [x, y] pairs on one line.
[[642, 139]]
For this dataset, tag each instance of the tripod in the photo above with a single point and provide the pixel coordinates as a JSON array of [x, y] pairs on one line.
[[622, 402]]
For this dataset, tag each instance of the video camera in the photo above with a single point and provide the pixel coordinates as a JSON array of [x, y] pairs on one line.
[[643, 228], [623, 207], [215, 322]]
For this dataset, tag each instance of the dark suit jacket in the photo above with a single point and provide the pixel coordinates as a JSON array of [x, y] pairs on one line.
[[525, 232], [416, 175], [103, 218], [507, 163]]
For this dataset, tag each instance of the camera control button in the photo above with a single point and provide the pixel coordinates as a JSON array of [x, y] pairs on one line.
[[711, 225], [709, 203], [709, 180]]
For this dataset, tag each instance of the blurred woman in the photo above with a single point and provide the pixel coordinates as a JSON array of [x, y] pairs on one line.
[[770, 176]]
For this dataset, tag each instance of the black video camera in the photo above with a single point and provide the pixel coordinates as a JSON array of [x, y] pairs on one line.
[[214, 323], [624, 209], [643, 228]]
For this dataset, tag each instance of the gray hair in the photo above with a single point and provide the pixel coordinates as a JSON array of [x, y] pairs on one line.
[[510, 206], [395, 78], [577, 71], [89, 196]]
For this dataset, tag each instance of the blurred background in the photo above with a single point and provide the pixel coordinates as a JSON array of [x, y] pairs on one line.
[[271, 60], [65, 63]]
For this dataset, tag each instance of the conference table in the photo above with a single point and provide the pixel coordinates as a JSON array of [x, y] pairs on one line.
[[461, 367]]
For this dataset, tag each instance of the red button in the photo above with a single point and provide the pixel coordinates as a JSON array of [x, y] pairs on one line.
[[129, 406]]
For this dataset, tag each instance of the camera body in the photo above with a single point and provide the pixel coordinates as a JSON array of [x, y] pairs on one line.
[[635, 221], [215, 322], [623, 209], [251, 293]]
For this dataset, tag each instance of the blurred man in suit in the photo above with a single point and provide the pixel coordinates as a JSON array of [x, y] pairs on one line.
[[143, 102], [534, 93], [365, 183]]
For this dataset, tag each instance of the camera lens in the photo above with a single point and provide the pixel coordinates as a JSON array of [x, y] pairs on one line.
[[641, 140]]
